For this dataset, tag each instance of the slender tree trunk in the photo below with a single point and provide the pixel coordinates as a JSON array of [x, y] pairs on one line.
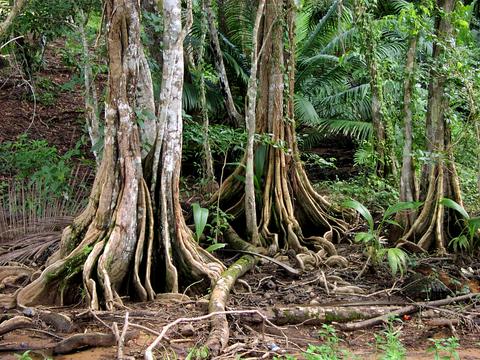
[[91, 97], [380, 137], [250, 206], [233, 114], [16, 9], [435, 222], [408, 189], [209, 175]]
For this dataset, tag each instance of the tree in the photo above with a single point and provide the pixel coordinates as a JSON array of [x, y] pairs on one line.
[[7, 22], [439, 175], [288, 201], [114, 245]]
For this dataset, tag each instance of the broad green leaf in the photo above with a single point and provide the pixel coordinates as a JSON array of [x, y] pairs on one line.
[[455, 206], [401, 206], [397, 260], [355, 205], [260, 156], [393, 222], [215, 247], [474, 223], [364, 237], [200, 217]]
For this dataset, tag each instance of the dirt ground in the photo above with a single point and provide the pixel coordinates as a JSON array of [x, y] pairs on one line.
[[264, 289]]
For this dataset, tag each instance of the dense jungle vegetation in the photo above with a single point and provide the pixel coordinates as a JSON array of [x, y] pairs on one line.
[[144, 142]]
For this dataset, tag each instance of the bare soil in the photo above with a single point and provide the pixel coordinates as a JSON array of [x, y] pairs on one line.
[[268, 287]]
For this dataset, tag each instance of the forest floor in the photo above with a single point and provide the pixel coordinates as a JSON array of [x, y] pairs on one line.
[[58, 119]]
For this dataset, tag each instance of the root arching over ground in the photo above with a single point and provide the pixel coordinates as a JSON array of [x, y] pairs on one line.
[[288, 204], [133, 195]]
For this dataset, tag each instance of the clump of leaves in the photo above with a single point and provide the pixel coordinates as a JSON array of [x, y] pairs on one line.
[[445, 349], [469, 239], [216, 227], [37, 162], [373, 240], [389, 343]]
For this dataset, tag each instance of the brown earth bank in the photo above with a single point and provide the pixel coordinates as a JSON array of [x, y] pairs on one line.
[[265, 289]]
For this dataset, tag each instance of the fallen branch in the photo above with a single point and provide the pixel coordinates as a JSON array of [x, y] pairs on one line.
[[410, 309], [121, 339]]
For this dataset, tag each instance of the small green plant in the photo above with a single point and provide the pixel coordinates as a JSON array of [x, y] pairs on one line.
[[375, 242], [389, 343], [445, 349], [469, 240], [38, 163], [200, 218], [24, 356], [216, 227], [198, 353], [329, 349]]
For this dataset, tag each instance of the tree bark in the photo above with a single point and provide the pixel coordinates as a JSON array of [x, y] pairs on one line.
[[250, 205], [408, 188], [91, 97], [17, 7], [440, 179], [133, 221], [288, 200], [233, 114]]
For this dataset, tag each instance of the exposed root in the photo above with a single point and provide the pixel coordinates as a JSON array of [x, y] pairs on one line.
[[81, 341], [17, 322], [219, 333]]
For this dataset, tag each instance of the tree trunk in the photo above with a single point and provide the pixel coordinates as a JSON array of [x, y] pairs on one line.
[[233, 114], [16, 8], [208, 174], [288, 198], [118, 231], [250, 204], [435, 222], [408, 188], [91, 97]]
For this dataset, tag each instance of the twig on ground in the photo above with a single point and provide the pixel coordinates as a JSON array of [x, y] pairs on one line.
[[149, 351], [121, 339], [325, 283], [46, 333]]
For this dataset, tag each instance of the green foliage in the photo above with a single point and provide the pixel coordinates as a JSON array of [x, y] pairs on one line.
[[198, 353], [329, 349], [373, 239], [469, 240], [389, 343], [200, 218], [24, 356], [372, 191], [37, 162], [219, 223], [445, 349]]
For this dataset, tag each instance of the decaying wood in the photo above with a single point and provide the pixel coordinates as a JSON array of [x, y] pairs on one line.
[[60, 322]]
